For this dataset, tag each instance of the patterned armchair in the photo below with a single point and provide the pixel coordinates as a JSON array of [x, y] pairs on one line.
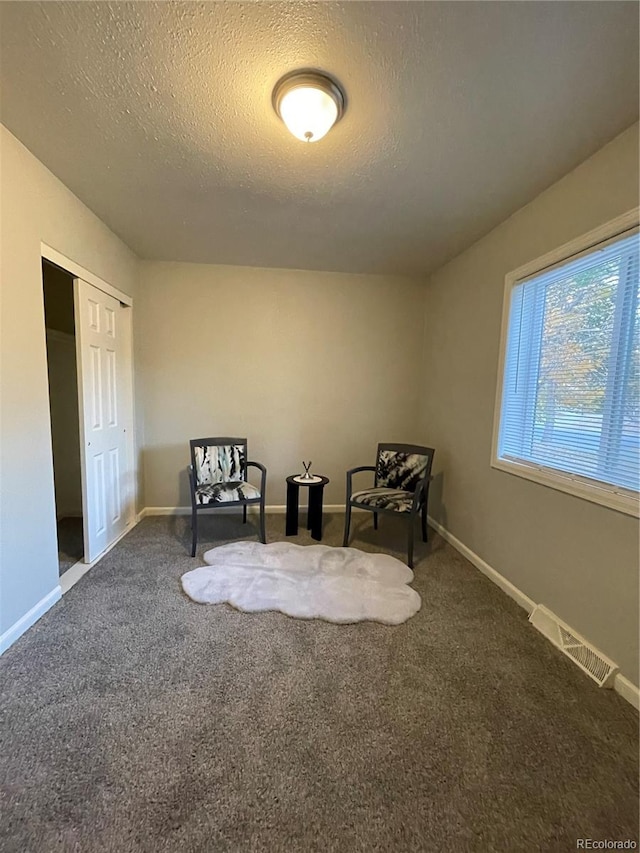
[[401, 486], [218, 477]]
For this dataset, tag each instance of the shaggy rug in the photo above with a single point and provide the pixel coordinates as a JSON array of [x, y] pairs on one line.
[[307, 582]]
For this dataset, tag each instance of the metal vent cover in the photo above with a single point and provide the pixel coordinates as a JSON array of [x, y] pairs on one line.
[[586, 656]]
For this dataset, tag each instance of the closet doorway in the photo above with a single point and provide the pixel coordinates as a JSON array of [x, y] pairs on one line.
[[63, 406], [89, 361]]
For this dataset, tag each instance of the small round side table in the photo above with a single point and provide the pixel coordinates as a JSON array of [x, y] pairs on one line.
[[314, 511]]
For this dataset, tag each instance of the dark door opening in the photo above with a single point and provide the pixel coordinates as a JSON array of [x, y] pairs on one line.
[[63, 405]]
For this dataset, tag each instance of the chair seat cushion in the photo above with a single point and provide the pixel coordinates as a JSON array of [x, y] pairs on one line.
[[220, 493], [383, 498]]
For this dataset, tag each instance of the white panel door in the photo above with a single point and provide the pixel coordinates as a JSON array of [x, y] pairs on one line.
[[103, 341]]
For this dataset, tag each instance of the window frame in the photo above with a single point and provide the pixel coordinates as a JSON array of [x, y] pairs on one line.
[[614, 497]]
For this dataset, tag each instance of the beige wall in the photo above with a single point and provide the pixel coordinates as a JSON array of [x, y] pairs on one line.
[[35, 207], [578, 558], [307, 365], [320, 366]]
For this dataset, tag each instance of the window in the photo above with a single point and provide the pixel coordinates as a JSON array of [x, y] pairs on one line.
[[568, 410]]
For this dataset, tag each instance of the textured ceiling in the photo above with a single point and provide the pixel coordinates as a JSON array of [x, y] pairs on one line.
[[158, 116]]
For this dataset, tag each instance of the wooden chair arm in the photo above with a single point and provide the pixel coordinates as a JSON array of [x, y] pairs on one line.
[[353, 471], [421, 489], [263, 475]]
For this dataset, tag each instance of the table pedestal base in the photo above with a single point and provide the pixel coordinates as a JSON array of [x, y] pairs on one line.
[[314, 511]]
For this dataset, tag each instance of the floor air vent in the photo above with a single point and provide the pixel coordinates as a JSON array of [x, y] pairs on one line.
[[594, 663]]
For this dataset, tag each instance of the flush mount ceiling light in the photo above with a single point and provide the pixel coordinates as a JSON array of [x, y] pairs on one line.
[[309, 103]]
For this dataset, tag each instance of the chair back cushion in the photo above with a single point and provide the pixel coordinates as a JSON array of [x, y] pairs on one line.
[[403, 471], [223, 463]]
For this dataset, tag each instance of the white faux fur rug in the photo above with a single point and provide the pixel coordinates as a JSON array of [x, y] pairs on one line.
[[307, 582]]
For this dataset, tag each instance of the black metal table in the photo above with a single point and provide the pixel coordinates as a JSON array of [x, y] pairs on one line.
[[314, 511]]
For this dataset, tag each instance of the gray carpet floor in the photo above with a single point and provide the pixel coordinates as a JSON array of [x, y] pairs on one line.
[[70, 543], [136, 720]]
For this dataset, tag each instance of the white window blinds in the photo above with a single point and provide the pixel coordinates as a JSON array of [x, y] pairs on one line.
[[571, 386]]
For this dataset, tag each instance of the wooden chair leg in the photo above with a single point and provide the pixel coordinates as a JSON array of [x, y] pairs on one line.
[[263, 533], [347, 525], [194, 531], [375, 520], [244, 514], [424, 523], [410, 543]]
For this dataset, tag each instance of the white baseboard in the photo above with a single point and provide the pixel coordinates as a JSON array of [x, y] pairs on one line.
[[505, 585], [186, 510], [275, 509], [621, 685], [628, 690], [67, 580], [625, 688], [79, 569], [73, 575], [25, 622]]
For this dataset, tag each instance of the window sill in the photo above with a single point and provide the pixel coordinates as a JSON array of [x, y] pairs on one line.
[[620, 500]]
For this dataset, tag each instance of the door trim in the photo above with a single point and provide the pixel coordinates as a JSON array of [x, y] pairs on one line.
[[78, 271], [60, 260]]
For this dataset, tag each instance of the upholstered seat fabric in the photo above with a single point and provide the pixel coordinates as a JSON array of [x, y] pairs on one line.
[[219, 493], [383, 498], [218, 478], [401, 485]]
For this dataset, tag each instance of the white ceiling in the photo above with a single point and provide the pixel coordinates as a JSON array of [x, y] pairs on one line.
[[158, 116]]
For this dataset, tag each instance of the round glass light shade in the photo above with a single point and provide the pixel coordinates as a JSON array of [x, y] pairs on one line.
[[309, 104], [308, 113]]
